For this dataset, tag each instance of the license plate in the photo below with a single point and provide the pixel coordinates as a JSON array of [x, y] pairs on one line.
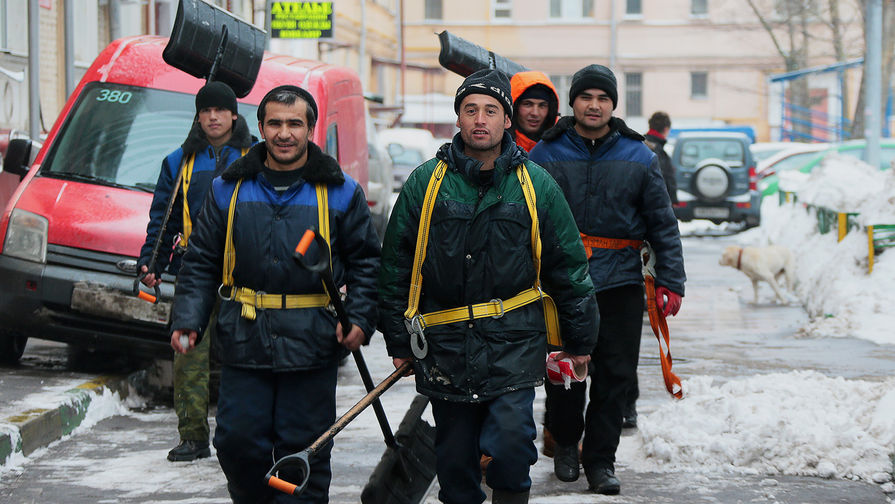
[[711, 212], [100, 300]]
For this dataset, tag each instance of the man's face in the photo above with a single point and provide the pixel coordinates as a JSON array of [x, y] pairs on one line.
[[482, 122], [593, 109], [217, 123], [530, 115], [286, 133]]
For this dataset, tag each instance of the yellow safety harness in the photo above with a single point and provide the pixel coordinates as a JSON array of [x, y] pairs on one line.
[[252, 300], [496, 308], [187, 176]]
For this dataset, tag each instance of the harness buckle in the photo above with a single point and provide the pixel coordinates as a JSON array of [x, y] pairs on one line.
[[418, 344], [221, 293], [648, 257], [257, 299], [498, 302]]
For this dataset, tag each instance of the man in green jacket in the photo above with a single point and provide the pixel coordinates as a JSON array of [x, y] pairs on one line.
[[480, 361]]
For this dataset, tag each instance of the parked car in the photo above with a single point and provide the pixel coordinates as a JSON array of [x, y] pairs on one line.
[[769, 185], [379, 189], [716, 178], [790, 159], [764, 150], [408, 148], [72, 232]]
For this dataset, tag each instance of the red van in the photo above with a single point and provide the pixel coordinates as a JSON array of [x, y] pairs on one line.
[[72, 230]]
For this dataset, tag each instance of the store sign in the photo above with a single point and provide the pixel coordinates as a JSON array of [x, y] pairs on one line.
[[301, 20]]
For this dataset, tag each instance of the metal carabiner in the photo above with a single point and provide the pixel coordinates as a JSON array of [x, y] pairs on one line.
[[499, 302], [648, 258], [221, 294], [418, 344]]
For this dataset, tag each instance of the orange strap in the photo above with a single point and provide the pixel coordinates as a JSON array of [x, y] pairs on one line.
[[592, 242], [658, 323]]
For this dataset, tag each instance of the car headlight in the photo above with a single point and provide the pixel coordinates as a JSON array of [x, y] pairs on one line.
[[26, 236]]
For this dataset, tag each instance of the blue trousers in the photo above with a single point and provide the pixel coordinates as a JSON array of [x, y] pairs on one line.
[[263, 416], [503, 428]]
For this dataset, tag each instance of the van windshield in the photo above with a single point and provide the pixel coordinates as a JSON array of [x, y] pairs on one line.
[[117, 135]]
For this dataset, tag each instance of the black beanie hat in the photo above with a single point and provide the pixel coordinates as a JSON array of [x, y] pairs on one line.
[[306, 96], [594, 76], [488, 82], [216, 94]]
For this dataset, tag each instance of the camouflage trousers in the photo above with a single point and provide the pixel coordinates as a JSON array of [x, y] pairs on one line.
[[191, 375]]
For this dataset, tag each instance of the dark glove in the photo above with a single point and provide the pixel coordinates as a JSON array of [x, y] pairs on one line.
[[672, 305]]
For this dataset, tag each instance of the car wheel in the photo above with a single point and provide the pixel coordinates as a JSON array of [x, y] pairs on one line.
[[12, 346], [711, 182]]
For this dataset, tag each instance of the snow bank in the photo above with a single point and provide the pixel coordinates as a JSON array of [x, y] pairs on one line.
[[798, 423], [839, 295]]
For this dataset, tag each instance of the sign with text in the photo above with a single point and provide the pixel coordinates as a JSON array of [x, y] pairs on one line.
[[301, 20]]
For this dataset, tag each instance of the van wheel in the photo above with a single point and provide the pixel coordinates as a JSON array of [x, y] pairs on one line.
[[12, 346]]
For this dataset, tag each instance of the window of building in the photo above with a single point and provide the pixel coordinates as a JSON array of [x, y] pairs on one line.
[[85, 22], [562, 84], [13, 37], [433, 9], [633, 94], [571, 9], [699, 85], [502, 9], [699, 7], [633, 8]]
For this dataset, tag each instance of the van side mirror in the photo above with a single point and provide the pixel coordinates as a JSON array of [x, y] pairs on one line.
[[18, 157]]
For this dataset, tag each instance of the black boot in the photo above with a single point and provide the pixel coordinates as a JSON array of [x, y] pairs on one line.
[[565, 462], [188, 451], [602, 480], [507, 497], [629, 417]]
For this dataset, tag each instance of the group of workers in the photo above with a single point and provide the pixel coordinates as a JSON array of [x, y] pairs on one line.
[[526, 226]]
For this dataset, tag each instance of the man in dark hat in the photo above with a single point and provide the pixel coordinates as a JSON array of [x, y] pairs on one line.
[[482, 270], [615, 189], [279, 345], [218, 137]]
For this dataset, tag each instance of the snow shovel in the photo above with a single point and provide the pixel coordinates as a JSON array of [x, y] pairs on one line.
[[415, 469]]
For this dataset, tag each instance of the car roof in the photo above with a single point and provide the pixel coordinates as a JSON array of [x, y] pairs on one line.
[[713, 134], [793, 149]]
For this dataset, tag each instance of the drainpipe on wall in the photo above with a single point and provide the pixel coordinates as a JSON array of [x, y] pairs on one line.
[[69, 29], [613, 35], [114, 19], [33, 70]]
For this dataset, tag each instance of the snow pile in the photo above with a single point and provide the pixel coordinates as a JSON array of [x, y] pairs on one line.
[[832, 279], [829, 427]]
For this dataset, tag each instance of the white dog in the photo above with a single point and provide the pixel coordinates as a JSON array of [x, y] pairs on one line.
[[762, 263]]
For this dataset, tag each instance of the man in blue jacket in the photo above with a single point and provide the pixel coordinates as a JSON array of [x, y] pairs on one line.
[[279, 344], [618, 197], [218, 137]]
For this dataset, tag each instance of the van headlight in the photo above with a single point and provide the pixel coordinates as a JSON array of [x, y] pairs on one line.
[[26, 236]]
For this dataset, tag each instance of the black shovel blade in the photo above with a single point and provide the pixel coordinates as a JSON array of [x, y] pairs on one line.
[[406, 471]]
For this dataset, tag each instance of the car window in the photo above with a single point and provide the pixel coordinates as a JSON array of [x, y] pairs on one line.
[[793, 162], [730, 151], [119, 134], [409, 157], [886, 156]]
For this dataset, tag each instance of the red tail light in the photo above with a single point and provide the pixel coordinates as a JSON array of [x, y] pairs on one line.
[[753, 179], [371, 204]]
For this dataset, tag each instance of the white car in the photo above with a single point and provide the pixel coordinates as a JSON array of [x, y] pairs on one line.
[[408, 148]]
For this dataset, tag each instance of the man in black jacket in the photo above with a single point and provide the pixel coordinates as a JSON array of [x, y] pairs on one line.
[[655, 139], [219, 136], [279, 345], [618, 198]]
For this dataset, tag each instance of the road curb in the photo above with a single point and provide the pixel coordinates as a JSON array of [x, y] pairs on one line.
[[33, 429]]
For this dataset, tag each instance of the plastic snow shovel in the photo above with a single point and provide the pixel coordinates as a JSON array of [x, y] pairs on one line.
[[416, 469]]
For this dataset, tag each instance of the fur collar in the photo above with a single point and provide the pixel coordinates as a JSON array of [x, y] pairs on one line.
[[566, 123], [197, 141], [319, 167]]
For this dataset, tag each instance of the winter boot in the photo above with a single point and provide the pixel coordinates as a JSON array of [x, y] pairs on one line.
[[565, 462], [188, 451], [602, 480], [629, 418], [507, 497]]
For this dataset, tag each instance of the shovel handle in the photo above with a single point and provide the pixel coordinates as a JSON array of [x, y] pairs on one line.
[[145, 296], [300, 459]]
